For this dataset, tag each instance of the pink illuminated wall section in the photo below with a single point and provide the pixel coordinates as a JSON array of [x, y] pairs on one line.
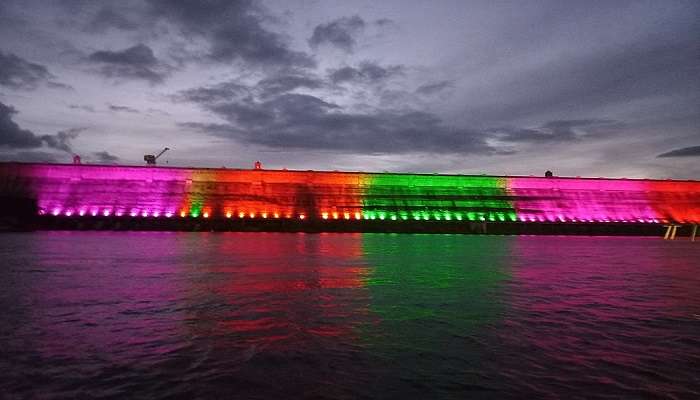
[[104, 191], [604, 200]]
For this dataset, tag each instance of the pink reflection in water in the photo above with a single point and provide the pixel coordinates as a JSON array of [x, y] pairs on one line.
[[104, 295], [595, 302]]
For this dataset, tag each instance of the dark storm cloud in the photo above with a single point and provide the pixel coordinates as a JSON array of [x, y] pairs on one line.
[[368, 72], [12, 136], [692, 151], [432, 88], [126, 109], [306, 122], [136, 62], [557, 131], [233, 31], [18, 73], [103, 157], [339, 33]]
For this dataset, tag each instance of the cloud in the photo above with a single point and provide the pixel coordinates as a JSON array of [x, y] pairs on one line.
[[136, 62], [339, 33], [126, 109], [30, 156], [433, 88], [692, 151], [557, 131], [107, 17], [610, 76], [61, 140], [230, 91], [104, 157], [285, 83], [368, 72], [82, 107], [225, 91], [12, 136], [382, 22], [18, 73], [298, 121], [233, 31]]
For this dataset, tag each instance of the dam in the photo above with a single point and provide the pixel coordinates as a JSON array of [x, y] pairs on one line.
[[68, 196]]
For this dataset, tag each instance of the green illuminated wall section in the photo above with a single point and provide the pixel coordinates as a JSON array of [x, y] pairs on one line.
[[436, 197]]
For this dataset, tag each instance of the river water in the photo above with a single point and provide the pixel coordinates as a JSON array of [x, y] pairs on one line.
[[343, 316]]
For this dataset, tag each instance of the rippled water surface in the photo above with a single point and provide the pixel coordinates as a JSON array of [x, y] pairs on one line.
[[340, 316]]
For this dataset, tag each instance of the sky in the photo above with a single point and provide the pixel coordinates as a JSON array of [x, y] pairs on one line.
[[582, 88]]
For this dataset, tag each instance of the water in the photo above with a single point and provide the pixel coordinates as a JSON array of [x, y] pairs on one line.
[[340, 316]]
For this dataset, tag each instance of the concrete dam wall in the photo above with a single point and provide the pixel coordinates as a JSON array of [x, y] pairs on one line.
[[66, 196]]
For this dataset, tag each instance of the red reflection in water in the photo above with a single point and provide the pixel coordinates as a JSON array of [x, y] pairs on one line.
[[131, 296], [290, 289]]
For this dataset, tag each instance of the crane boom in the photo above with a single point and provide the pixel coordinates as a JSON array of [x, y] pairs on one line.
[[150, 159], [163, 151]]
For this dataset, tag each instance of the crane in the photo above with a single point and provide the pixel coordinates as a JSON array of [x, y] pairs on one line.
[[150, 159]]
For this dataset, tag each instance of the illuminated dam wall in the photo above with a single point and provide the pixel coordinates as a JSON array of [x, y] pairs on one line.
[[317, 197]]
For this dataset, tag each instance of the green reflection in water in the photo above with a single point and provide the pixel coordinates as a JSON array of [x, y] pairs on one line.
[[428, 291]]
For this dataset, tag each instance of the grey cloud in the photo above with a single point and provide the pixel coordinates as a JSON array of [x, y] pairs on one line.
[[233, 30], [225, 91], [432, 88], [136, 62], [557, 131], [384, 22], [367, 71], [126, 109], [81, 107], [230, 92], [18, 73], [107, 17], [281, 84], [30, 156], [340, 33], [306, 122], [155, 111], [650, 68], [58, 85], [692, 151], [12, 136], [104, 157], [61, 140]]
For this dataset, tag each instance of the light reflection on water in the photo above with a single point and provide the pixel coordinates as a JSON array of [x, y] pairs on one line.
[[263, 315]]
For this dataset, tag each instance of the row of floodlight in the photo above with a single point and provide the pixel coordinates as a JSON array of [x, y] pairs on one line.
[[364, 215]]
